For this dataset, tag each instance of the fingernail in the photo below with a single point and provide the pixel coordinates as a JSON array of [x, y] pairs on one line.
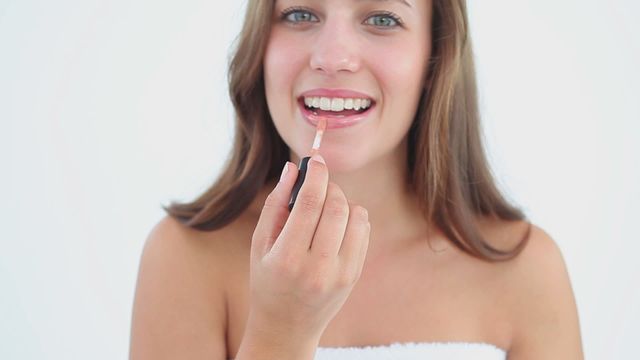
[[285, 170], [318, 158]]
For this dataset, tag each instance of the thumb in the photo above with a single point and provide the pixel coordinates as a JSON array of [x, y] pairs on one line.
[[275, 212]]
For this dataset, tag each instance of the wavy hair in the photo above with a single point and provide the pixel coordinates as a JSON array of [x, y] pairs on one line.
[[449, 172]]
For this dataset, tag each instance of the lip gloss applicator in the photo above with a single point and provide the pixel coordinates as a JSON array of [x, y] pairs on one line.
[[302, 167]]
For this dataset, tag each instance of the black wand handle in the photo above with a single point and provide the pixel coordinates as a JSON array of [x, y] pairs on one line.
[[302, 172]]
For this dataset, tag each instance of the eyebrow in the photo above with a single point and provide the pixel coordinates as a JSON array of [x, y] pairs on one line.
[[405, 2]]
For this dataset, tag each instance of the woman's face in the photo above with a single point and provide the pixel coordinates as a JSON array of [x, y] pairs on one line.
[[334, 52]]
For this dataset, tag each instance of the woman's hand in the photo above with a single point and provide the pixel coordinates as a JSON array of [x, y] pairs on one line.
[[304, 264]]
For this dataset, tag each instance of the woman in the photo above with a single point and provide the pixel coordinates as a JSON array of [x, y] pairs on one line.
[[399, 239]]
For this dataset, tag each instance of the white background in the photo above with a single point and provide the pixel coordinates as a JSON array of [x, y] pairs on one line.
[[109, 109]]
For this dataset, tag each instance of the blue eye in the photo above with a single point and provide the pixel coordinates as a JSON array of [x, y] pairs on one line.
[[298, 15], [384, 20]]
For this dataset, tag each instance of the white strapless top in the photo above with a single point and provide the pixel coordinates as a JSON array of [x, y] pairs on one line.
[[415, 351]]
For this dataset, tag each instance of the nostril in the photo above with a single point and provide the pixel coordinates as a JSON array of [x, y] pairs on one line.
[[338, 60]]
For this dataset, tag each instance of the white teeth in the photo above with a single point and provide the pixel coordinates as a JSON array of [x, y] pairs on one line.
[[325, 104], [336, 104], [348, 104]]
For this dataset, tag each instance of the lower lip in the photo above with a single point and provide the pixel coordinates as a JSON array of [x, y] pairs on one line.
[[334, 122]]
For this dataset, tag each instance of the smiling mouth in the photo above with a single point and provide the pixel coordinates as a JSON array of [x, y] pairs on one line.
[[328, 111]]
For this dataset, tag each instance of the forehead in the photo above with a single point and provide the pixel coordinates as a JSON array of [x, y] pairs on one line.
[[407, 3], [403, 2]]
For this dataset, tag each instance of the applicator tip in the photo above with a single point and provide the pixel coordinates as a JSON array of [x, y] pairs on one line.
[[320, 128]]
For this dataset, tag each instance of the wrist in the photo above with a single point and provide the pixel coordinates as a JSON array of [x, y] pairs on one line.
[[270, 344]]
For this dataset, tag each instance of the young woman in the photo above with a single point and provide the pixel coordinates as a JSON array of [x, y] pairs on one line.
[[399, 242]]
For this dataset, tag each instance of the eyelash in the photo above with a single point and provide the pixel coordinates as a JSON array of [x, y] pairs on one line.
[[292, 10]]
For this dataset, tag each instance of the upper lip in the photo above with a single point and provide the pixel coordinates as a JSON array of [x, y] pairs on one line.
[[336, 93]]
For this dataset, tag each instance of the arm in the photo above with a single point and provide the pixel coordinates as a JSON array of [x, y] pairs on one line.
[[546, 325]]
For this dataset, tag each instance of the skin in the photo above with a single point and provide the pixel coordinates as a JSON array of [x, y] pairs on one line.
[[338, 47], [194, 295]]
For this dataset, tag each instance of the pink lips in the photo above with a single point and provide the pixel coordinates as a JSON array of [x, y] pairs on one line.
[[334, 122], [336, 93]]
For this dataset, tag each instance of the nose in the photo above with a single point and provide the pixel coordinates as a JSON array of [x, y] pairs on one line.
[[335, 49]]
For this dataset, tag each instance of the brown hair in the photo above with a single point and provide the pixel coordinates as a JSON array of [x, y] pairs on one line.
[[448, 167]]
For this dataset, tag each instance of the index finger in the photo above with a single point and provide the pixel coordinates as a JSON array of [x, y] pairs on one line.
[[274, 213], [297, 233]]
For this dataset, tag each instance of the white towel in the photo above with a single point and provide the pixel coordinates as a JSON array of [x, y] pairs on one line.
[[415, 351]]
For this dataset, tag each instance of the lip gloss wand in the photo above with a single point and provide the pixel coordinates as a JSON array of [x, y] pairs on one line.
[[302, 167]]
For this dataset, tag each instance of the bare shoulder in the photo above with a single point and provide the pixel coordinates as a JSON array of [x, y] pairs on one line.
[[545, 319], [179, 308]]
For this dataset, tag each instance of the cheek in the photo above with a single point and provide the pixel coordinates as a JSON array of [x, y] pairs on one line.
[[400, 79], [400, 69], [282, 61]]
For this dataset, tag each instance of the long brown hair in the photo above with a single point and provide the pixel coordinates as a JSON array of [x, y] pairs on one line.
[[448, 167]]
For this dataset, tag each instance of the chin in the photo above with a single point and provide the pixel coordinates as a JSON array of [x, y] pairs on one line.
[[341, 163]]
